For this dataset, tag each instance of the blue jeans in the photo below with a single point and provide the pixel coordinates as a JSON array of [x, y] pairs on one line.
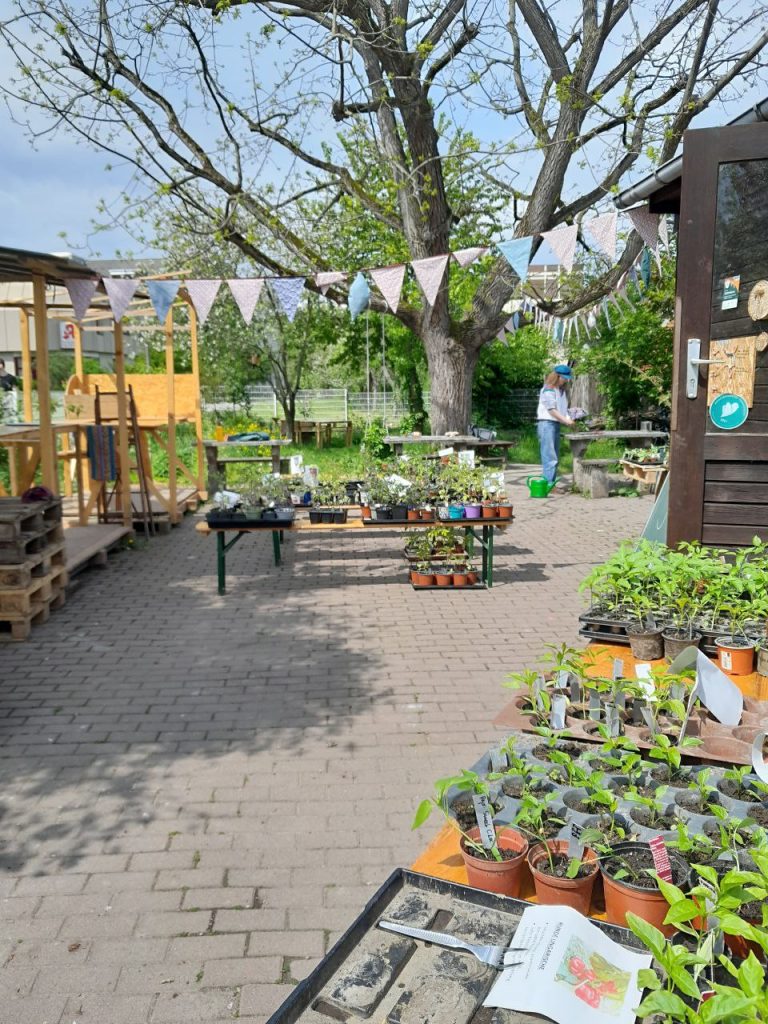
[[549, 447]]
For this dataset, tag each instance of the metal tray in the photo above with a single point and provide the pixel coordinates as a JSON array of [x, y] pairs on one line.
[[375, 975]]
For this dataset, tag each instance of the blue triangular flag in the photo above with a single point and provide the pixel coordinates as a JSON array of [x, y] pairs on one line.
[[516, 320], [517, 253], [359, 295], [161, 295]]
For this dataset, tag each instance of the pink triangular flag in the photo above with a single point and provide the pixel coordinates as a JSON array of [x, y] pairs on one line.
[[429, 273], [327, 278], [602, 230], [81, 290], [202, 293], [562, 241], [646, 224], [120, 291], [464, 257], [663, 231], [389, 281], [246, 292]]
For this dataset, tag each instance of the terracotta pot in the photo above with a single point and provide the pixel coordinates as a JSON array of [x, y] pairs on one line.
[[504, 511], [490, 511], [365, 511], [646, 646], [472, 577], [649, 904], [673, 645], [427, 515], [422, 579], [460, 579], [737, 660], [497, 876], [443, 579], [412, 515], [742, 947], [567, 892]]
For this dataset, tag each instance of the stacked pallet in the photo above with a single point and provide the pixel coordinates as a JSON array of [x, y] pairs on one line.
[[33, 574]]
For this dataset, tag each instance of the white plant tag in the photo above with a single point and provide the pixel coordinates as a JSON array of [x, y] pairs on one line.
[[575, 848], [538, 686], [650, 621], [561, 682], [649, 720], [467, 458], [498, 760], [621, 700], [677, 691], [557, 716], [758, 762], [689, 708], [484, 820], [594, 706], [618, 669], [612, 719], [717, 692], [644, 678], [576, 691], [442, 452]]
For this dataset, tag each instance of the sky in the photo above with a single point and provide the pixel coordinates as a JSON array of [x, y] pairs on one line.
[[53, 188]]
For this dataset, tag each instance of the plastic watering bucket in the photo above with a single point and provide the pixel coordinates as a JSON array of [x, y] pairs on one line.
[[538, 486]]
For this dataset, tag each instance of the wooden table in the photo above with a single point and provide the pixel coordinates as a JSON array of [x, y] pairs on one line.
[[652, 474], [23, 443], [278, 529], [217, 464], [461, 442], [322, 430]]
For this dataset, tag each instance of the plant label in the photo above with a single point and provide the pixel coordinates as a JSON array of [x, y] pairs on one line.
[[717, 693], [484, 820], [649, 720], [576, 692], [618, 669], [621, 700], [677, 691], [561, 682], [650, 621], [661, 858], [687, 715], [498, 760], [710, 899], [758, 761], [575, 848], [612, 719], [594, 706], [538, 686], [557, 716], [638, 705]]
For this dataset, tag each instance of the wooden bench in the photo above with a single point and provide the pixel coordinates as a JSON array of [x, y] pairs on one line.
[[591, 477], [217, 463]]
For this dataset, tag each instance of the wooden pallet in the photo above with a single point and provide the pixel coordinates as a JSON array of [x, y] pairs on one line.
[[17, 624], [41, 563]]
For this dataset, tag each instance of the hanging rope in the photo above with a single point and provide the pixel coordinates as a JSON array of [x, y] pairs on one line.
[[384, 365], [368, 364]]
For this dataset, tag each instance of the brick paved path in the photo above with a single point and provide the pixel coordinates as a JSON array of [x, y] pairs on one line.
[[200, 792]]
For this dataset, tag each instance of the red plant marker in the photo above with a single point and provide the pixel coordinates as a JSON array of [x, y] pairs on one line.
[[661, 858]]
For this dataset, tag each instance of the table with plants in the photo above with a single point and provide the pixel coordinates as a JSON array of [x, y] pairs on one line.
[[455, 507]]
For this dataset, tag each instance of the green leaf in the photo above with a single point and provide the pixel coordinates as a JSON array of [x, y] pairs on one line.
[[751, 976], [733, 925], [683, 980], [648, 979], [683, 910], [707, 872], [649, 935], [728, 1005], [662, 1002], [670, 892], [423, 811]]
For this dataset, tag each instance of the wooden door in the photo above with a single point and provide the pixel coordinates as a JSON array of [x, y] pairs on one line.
[[719, 478]]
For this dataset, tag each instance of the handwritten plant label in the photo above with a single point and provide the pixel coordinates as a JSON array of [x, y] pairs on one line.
[[559, 707], [575, 848], [661, 858], [594, 706], [612, 719], [687, 716], [621, 700], [484, 820], [538, 687], [561, 683], [576, 691], [618, 669]]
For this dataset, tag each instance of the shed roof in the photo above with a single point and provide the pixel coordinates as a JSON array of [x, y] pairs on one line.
[[21, 265], [664, 183]]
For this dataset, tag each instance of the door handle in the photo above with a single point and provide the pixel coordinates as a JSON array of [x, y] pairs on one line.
[[693, 364]]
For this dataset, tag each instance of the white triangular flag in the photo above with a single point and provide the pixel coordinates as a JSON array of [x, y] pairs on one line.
[[325, 279], [202, 294], [646, 224], [389, 281], [663, 231], [246, 292], [562, 241], [429, 273], [120, 291], [602, 230], [81, 290], [465, 257]]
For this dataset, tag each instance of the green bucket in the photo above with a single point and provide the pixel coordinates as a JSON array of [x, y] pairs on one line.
[[538, 486]]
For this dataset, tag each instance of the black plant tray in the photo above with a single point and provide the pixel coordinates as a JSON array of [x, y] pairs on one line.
[[249, 524], [469, 586], [374, 975]]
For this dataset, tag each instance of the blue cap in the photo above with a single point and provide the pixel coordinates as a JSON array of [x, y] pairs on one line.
[[563, 371]]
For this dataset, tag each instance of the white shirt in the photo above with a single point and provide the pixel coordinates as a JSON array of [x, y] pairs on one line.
[[552, 398]]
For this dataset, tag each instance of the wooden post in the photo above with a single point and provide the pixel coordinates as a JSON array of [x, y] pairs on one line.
[[173, 506], [26, 364], [79, 353], [48, 466], [198, 411], [122, 430]]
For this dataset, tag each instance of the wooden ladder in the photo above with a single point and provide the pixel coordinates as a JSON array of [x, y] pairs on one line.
[[108, 416]]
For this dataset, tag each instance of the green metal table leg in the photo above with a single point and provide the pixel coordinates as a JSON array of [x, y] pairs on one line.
[[469, 541], [484, 546], [488, 550], [277, 536], [221, 561]]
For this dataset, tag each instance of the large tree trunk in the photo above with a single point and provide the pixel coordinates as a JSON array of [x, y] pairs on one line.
[[451, 369]]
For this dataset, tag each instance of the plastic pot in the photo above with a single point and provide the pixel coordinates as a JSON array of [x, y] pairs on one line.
[[460, 579], [422, 579], [503, 876], [490, 511], [735, 655], [455, 511], [427, 515], [568, 892], [673, 645], [505, 511], [443, 578], [622, 896], [646, 646], [413, 515], [472, 511]]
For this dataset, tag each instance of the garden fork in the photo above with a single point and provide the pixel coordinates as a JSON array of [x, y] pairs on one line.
[[491, 956]]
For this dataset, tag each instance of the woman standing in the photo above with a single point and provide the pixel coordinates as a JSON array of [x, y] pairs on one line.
[[551, 413]]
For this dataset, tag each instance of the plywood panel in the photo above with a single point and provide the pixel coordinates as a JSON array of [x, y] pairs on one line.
[[732, 371], [150, 391]]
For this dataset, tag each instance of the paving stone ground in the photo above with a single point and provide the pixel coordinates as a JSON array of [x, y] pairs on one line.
[[199, 793]]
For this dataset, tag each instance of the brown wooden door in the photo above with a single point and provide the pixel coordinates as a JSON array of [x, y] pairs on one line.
[[719, 478]]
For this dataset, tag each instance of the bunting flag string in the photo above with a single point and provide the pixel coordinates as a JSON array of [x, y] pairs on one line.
[[562, 241], [602, 231], [120, 291], [202, 294], [359, 295], [389, 281], [326, 279], [429, 273], [81, 291], [161, 295], [517, 253], [287, 292], [466, 257], [246, 292]]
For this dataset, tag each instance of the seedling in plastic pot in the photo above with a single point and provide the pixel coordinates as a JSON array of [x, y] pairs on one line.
[[669, 755], [535, 817], [468, 782], [654, 810]]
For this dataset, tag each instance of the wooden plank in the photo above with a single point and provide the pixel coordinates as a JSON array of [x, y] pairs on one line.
[[195, 355], [738, 472], [734, 514], [122, 428], [26, 363], [732, 536], [736, 492], [733, 446], [48, 467], [171, 398]]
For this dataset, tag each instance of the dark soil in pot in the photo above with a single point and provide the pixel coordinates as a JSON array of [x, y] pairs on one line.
[[638, 857], [514, 786], [463, 810], [560, 862], [677, 780], [712, 829], [692, 800], [759, 814], [732, 789], [649, 818], [542, 751], [677, 640]]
